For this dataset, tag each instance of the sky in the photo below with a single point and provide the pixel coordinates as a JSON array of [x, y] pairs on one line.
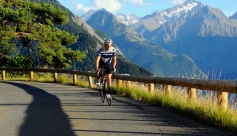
[[141, 7]]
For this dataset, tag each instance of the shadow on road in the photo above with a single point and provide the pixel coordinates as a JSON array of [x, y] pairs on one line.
[[44, 115]]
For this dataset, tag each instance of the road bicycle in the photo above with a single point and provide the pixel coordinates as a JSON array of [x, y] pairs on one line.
[[104, 88]]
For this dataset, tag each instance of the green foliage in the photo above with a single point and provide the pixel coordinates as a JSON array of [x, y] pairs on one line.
[[7, 44], [65, 79], [30, 25], [21, 61]]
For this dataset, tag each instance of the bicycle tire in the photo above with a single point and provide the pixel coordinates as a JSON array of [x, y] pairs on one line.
[[102, 96], [108, 101], [106, 90], [102, 93]]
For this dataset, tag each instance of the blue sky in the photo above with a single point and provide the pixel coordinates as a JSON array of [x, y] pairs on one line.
[[141, 7]]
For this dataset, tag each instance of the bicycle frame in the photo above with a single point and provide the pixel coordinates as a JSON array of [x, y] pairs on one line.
[[104, 83], [103, 77]]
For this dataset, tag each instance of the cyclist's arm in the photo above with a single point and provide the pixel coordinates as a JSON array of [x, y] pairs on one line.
[[114, 61], [97, 62]]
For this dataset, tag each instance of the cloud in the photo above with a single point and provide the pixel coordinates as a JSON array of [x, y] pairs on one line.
[[136, 2], [110, 5], [81, 9], [176, 2]]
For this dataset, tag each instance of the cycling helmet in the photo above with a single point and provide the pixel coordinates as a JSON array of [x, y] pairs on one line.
[[107, 41]]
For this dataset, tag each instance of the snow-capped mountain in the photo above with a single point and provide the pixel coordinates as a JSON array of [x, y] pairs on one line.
[[127, 20], [142, 52], [156, 19], [203, 33], [180, 10]]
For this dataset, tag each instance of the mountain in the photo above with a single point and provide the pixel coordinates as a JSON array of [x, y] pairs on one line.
[[91, 40], [204, 33], [155, 20], [91, 12], [234, 16], [127, 20], [142, 52], [88, 14]]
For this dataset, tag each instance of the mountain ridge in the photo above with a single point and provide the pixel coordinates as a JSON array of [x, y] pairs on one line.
[[206, 31], [137, 49], [199, 31]]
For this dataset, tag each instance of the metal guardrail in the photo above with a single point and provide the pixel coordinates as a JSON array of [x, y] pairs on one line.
[[221, 86]]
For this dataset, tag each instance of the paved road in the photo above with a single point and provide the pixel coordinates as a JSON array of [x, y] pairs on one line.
[[48, 109]]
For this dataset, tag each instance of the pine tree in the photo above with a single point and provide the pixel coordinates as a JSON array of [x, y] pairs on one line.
[[31, 26]]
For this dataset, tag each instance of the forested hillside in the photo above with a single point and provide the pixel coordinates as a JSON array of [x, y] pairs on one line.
[[87, 42]]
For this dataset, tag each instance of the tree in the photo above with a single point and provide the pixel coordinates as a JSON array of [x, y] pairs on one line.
[[31, 27]]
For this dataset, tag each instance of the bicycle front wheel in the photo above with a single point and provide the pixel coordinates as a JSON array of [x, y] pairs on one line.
[[102, 94], [106, 89], [108, 101]]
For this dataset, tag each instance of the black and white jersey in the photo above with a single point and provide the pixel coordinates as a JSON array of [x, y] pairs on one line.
[[106, 56]]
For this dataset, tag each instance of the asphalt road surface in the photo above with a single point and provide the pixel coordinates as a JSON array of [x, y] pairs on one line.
[[50, 109]]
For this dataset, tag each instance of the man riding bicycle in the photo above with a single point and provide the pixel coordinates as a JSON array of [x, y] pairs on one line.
[[106, 58]]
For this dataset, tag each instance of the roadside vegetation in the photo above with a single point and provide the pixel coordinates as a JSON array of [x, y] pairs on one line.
[[204, 109]]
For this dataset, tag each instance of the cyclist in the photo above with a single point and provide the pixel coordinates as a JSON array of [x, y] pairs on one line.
[[106, 58]]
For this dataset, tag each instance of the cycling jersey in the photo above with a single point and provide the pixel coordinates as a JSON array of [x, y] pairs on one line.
[[106, 56]]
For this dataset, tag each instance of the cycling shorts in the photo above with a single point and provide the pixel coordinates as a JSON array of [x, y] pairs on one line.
[[108, 67]]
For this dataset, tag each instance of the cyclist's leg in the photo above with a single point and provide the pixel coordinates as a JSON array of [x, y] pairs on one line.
[[109, 72], [108, 76], [98, 76]]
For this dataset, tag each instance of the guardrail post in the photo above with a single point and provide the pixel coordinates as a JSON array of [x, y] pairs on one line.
[[90, 81], [151, 87], [167, 90], [74, 79], [222, 99], [55, 76], [191, 94], [3, 75], [31, 75], [119, 83], [128, 84]]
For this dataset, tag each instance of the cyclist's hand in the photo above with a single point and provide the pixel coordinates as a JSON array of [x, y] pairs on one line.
[[96, 72]]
